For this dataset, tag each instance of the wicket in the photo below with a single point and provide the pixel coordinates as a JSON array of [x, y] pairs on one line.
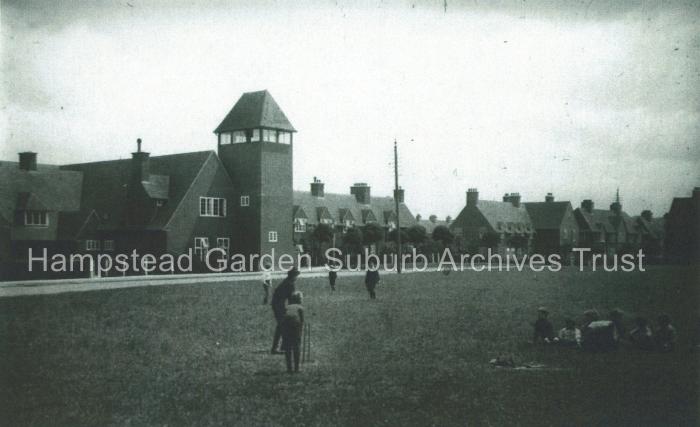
[[306, 344]]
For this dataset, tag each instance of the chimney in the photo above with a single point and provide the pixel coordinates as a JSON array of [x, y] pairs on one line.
[[513, 198], [587, 205], [549, 198], [27, 161], [361, 192], [317, 188], [398, 195], [139, 164], [647, 215], [418, 217], [432, 218], [448, 219], [472, 196]]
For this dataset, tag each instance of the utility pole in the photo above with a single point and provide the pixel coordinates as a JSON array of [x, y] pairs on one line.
[[396, 205]]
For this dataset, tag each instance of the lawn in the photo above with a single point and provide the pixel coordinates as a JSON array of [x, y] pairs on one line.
[[418, 355]]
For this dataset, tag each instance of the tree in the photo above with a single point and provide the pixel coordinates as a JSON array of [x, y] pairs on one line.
[[443, 235], [372, 233], [353, 238], [392, 236], [323, 233], [416, 234]]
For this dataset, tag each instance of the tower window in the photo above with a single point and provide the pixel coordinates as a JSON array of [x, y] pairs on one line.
[[212, 206], [245, 200], [239, 137], [256, 135], [272, 236], [285, 138], [269, 135], [225, 138]]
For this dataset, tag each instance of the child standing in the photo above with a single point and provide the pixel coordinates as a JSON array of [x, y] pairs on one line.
[[292, 326], [570, 335], [266, 282], [372, 278], [544, 330], [332, 275]]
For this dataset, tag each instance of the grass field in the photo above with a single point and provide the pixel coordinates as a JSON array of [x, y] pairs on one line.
[[197, 355]]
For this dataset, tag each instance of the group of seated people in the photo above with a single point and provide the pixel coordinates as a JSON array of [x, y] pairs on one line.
[[598, 335]]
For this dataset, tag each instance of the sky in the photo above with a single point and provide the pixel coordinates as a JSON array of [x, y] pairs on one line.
[[574, 98]]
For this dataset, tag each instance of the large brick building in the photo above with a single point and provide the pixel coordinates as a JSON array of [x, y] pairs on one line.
[[239, 199]]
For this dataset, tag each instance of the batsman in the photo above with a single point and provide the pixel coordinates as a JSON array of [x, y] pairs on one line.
[[280, 296]]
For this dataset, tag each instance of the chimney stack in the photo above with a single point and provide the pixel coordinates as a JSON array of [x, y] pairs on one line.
[[513, 198], [361, 192], [472, 196], [27, 161], [317, 188], [587, 205], [549, 198], [398, 195], [139, 164]]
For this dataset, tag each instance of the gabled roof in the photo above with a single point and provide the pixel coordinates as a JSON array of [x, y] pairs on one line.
[[105, 184], [255, 110], [601, 220], [49, 188], [344, 214], [29, 202], [368, 216], [500, 214], [299, 212], [71, 224], [547, 215], [333, 203]]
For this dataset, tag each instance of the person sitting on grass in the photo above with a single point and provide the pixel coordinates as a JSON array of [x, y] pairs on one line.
[[292, 326], [597, 335], [570, 335], [617, 317], [372, 278], [665, 334], [544, 331], [641, 336]]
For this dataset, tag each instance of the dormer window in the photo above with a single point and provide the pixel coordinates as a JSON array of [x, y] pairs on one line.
[[36, 219]]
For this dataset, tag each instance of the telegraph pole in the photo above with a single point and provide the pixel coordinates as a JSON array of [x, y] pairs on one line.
[[396, 205]]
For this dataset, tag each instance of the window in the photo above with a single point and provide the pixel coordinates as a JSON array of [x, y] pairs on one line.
[[269, 135], [36, 218], [92, 245], [212, 206], [256, 135], [245, 200], [239, 137], [272, 236], [285, 138], [108, 245], [225, 138], [327, 221], [160, 203], [300, 225], [223, 243], [201, 246]]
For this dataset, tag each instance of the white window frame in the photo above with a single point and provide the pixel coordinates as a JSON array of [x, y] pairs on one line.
[[269, 135], [92, 245], [223, 243], [300, 225], [245, 201], [225, 138], [284, 137], [239, 137], [36, 218], [212, 207], [255, 137], [201, 246], [108, 245], [272, 237]]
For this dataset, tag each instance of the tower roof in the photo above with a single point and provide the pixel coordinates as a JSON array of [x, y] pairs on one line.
[[254, 110]]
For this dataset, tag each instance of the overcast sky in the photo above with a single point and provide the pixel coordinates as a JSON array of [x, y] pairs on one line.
[[531, 96]]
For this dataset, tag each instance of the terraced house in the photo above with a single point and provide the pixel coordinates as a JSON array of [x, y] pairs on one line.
[[610, 231]]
